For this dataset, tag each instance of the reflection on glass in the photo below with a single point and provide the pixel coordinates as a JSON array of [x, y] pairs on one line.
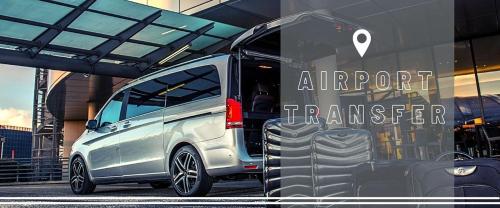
[[474, 135], [487, 51]]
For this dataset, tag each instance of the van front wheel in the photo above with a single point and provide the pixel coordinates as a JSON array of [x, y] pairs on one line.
[[189, 177], [79, 178]]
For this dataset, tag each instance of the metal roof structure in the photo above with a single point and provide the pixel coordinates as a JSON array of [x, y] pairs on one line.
[[113, 38]]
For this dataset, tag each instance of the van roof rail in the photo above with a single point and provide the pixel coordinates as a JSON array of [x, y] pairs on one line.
[[175, 66]]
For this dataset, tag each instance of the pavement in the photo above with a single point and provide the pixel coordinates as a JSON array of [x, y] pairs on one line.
[[128, 195]]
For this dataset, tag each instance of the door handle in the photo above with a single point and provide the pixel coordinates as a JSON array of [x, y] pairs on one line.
[[112, 128], [126, 124]]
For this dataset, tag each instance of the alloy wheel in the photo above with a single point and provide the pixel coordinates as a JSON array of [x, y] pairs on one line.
[[185, 172], [78, 175]]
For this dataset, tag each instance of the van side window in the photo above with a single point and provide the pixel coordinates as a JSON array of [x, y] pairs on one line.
[[146, 97], [192, 84], [111, 113]]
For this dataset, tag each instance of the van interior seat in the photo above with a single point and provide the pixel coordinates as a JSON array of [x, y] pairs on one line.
[[262, 100]]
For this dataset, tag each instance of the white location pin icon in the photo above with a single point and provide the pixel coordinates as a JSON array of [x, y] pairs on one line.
[[361, 47]]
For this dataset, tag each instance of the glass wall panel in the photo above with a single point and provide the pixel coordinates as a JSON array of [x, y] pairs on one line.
[[465, 98], [133, 49], [224, 30], [124, 8], [19, 31], [203, 42], [160, 35], [76, 40], [487, 54], [72, 2], [100, 23], [181, 21], [33, 10]]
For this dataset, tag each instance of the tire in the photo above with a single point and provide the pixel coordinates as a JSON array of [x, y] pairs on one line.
[[160, 185], [189, 177], [79, 179]]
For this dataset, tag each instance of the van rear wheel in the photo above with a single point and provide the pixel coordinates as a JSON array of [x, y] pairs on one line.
[[189, 177]]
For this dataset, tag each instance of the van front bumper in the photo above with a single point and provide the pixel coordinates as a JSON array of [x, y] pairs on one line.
[[228, 155]]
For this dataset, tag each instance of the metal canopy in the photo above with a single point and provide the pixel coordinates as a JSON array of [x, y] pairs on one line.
[[104, 37]]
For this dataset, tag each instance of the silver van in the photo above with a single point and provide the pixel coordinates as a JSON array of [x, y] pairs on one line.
[[182, 125]]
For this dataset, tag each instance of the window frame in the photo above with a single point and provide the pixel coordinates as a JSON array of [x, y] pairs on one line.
[[122, 107]]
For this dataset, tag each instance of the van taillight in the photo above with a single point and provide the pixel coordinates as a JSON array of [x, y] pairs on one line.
[[234, 114], [250, 167]]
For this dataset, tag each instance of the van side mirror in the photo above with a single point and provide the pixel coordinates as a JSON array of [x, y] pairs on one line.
[[91, 125]]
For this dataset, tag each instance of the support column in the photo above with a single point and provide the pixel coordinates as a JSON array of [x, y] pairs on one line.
[[329, 96], [91, 110], [72, 130]]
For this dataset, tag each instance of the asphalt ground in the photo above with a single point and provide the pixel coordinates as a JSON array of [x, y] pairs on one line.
[[242, 193], [129, 195]]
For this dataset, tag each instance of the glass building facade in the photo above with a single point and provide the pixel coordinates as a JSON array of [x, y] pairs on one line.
[[477, 100], [475, 84]]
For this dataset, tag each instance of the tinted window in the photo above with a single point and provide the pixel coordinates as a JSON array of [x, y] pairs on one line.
[[146, 97], [111, 113], [192, 84]]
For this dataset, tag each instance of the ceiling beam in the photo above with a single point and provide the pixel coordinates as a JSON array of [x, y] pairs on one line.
[[48, 35], [23, 44], [105, 48], [19, 58]]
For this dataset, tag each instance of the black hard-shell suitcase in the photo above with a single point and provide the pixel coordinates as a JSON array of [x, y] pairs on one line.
[[287, 157], [336, 156], [307, 160]]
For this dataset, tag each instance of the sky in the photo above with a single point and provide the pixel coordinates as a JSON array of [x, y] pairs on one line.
[[16, 95]]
